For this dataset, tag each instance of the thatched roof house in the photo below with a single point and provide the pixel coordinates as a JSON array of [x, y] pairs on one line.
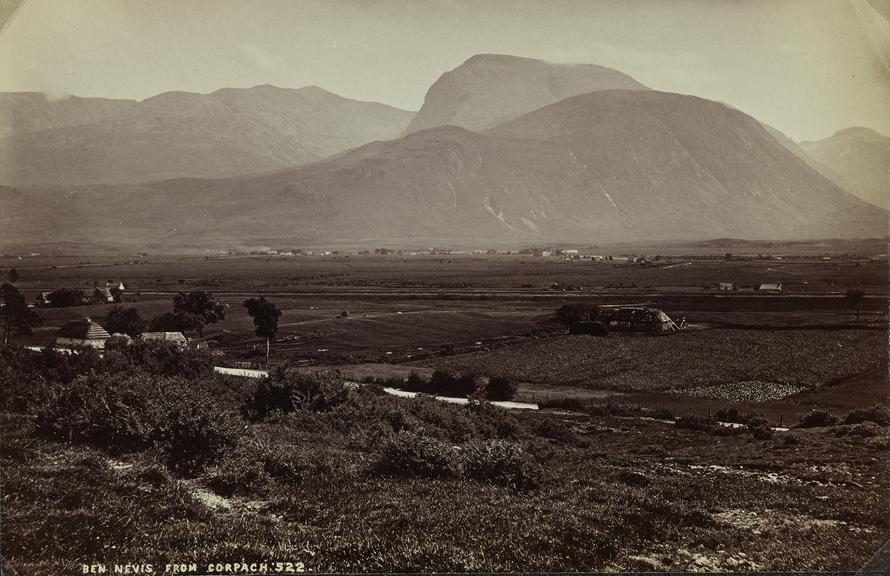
[[82, 333]]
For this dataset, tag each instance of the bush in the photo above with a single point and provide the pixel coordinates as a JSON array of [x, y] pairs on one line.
[[501, 388], [878, 414], [733, 414], [409, 455], [575, 312], [288, 390], [493, 422], [128, 413], [159, 358], [500, 462], [692, 422], [817, 419]]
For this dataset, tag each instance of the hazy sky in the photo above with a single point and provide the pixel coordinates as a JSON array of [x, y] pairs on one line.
[[807, 67]]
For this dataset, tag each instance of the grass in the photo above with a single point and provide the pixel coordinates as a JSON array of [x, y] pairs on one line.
[[370, 482]]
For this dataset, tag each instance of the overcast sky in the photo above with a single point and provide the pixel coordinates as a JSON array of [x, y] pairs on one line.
[[807, 67]]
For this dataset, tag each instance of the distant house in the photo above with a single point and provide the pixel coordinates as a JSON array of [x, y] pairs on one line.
[[82, 333], [727, 286], [43, 299], [102, 296], [177, 338], [770, 287]]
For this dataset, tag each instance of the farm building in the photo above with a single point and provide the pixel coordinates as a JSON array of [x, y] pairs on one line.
[[727, 286], [770, 287], [177, 338], [82, 333], [634, 319], [102, 296]]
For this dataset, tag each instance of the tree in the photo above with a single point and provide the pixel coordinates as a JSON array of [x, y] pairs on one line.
[[201, 304], [13, 276], [854, 301], [125, 321], [176, 322], [17, 317], [265, 319], [64, 297]]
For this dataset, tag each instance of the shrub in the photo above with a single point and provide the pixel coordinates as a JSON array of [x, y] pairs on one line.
[[416, 383], [289, 390], [790, 440], [501, 388], [733, 414], [878, 414], [159, 358], [576, 312], [500, 462], [692, 422], [865, 429], [493, 422], [127, 413], [817, 419], [760, 428], [410, 455]]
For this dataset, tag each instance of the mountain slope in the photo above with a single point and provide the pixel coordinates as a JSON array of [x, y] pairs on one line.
[[489, 89], [858, 159], [607, 166], [22, 112], [181, 134]]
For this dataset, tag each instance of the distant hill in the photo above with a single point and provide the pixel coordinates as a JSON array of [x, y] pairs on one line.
[[22, 112], [489, 89], [181, 134], [608, 166], [857, 159]]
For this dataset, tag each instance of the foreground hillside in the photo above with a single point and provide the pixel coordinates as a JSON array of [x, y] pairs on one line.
[[182, 134], [301, 469], [857, 159], [607, 166]]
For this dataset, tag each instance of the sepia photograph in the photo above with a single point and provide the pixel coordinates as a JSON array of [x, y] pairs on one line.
[[444, 286]]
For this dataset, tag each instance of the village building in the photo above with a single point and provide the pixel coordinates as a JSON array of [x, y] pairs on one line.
[[177, 338], [727, 286], [102, 296], [83, 333], [635, 319], [770, 287]]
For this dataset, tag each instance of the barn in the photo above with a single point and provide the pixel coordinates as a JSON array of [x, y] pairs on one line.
[[620, 318], [83, 333], [177, 338]]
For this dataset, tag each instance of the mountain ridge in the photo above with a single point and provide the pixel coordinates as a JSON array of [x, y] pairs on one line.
[[228, 132], [488, 89], [599, 167]]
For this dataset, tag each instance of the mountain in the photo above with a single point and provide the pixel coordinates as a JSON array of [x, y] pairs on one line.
[[489, 89], [857, 159], [615, 165], [182, 134], [22, 112]]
